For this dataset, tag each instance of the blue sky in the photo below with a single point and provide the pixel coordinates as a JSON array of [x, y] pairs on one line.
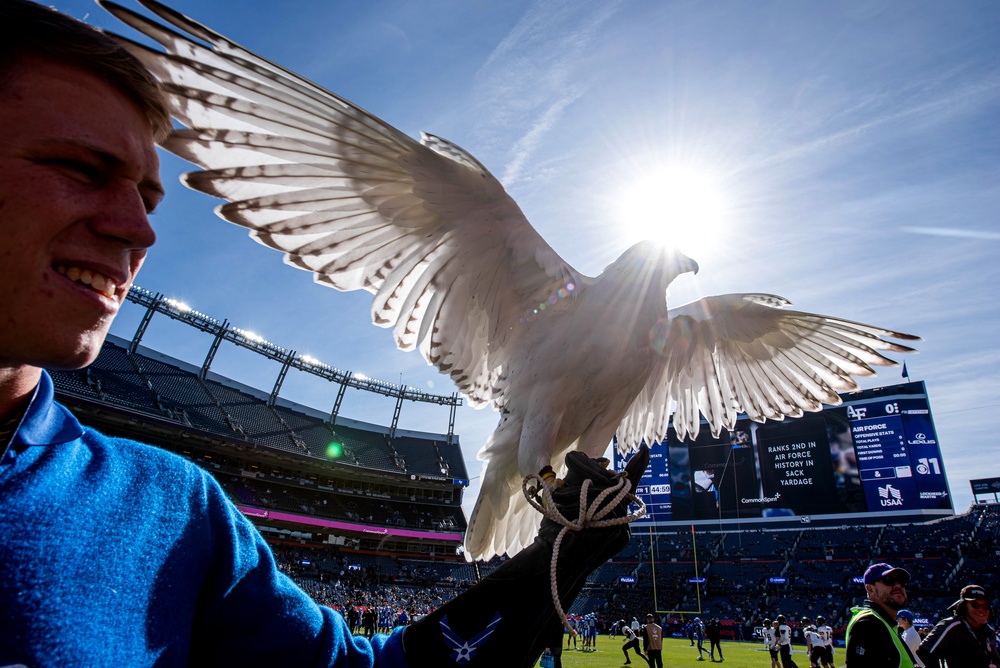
[[845, 155]]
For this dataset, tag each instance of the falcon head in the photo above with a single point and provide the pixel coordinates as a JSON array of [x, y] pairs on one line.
[[652, 263]]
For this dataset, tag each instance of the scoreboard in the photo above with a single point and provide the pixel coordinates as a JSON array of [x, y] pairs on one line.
[[874, 459]]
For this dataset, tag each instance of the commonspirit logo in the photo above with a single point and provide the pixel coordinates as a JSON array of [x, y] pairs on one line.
[[762, 499]]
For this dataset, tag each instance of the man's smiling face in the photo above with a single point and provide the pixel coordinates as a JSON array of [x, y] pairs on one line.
[[78, 176]]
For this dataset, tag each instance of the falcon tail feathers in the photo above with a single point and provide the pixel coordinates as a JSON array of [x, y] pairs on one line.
[[497, 528], [499, 521]]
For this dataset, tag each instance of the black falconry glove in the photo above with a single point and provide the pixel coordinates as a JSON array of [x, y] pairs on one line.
[[509, 618]]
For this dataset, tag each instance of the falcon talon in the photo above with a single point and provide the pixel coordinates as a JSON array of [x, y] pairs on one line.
[[549, 479]]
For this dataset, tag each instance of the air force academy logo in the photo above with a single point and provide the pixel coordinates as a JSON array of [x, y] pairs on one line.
[[465, 650]]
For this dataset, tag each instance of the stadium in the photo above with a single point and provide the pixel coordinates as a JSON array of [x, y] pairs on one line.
[[837, 156], [368, 518]]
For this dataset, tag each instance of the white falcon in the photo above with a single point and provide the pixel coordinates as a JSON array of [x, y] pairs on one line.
[[458, 272]]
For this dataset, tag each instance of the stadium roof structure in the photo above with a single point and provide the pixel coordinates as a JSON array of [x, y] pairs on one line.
[[289, 359]]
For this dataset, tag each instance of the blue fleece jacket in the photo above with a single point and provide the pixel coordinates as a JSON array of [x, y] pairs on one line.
[[115, 553]]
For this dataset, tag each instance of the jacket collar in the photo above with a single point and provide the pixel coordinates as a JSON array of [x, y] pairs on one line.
[[46, 422]]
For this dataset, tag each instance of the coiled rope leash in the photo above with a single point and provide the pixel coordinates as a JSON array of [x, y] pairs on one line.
[[539, 496]]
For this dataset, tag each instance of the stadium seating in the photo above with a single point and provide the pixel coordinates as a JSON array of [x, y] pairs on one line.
[[119, 380], [153, 386], [185, 391]]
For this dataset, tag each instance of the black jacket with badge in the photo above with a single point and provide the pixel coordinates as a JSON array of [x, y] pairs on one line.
[[954, 643]]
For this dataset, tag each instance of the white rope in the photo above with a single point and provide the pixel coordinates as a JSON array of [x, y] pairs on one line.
[[591, 516]]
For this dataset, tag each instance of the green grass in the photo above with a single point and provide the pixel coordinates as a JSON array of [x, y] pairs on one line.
[[679, 652]]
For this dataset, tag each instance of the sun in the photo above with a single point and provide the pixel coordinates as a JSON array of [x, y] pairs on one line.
[[681, 206]]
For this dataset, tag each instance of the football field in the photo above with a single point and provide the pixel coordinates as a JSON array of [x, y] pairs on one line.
[[679, 652]]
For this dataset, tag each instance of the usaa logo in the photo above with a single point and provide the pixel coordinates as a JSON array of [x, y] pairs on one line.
[[889, 496]]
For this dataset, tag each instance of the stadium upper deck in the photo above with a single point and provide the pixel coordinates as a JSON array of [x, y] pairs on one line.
[[287, 466]]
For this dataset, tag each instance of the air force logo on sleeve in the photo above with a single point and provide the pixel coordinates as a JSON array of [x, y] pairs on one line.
[[465, 650]]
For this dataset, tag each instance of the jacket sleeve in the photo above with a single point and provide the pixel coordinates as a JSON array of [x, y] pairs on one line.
[[252, 614], [936, 643]]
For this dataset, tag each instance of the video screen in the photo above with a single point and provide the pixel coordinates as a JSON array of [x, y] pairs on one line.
[[876, 453]]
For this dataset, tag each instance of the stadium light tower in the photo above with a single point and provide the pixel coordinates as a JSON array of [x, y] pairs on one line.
[[221, 331], [281, 378], [146, 317]]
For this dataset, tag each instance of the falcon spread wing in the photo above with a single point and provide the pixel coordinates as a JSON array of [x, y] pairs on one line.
[[424, 227], [458, 273], [743, 353]]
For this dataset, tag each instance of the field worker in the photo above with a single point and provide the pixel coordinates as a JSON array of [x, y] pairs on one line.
[[872, 639]]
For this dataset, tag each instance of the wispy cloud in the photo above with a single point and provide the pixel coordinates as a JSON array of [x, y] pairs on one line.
[[931, 103], [524, 148], [950, 232], [533, 76]]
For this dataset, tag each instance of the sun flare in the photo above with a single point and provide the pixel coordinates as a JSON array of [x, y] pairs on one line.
[[680, 206]]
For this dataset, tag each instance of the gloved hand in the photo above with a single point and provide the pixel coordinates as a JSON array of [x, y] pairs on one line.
[[509, 618]]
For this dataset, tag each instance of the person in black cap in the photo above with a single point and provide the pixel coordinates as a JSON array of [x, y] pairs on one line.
[[872, 640], [965, 639]]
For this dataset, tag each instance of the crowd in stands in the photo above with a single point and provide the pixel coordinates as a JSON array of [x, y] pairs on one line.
[[356, 581], [820, 566], [290, 498]]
